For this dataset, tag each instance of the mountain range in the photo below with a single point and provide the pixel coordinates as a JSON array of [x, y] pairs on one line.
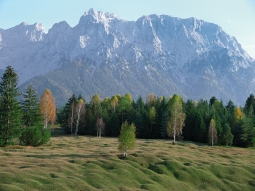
[[107, 55]]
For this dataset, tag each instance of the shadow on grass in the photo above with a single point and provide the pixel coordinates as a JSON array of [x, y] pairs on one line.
[[57, 132], [69, 155]]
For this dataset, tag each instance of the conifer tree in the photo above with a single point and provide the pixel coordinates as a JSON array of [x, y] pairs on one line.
[[33, 134], [65, 114], [163, 127], [70, 112], [10, 111], [227, 135], [190, 111], [30, 107]]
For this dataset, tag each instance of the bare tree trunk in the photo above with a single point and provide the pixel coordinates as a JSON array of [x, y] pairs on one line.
[[125, 153], [46, 114], [151, 131], [174, 126], [78, 120], [212, 137], [45, 120], [72, 115]]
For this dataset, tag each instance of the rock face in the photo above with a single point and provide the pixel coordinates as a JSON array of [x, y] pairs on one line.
[[107, 55]]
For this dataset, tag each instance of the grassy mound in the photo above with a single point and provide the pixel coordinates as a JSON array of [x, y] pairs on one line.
[[88, 163]]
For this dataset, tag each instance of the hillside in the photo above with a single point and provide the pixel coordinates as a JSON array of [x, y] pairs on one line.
[[88, 163]]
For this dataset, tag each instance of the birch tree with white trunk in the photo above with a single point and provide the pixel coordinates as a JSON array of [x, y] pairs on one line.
[[176, 119], [212, 133], [79, 114], [127, 138]]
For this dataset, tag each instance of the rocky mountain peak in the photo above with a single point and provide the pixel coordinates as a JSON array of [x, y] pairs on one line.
[[97, 17], [160, 53]]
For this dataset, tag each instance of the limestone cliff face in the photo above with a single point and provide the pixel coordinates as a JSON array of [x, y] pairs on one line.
[[108, 55]]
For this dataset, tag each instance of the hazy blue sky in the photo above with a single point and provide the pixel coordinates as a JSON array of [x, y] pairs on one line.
[[236, 17]]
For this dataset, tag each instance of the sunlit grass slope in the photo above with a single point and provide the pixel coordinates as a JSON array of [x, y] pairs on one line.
[[88, 163]]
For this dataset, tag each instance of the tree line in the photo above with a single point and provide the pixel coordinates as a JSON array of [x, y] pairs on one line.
[[24, 122], [160, 117]]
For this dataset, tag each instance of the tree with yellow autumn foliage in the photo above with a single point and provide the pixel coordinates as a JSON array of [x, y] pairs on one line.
[[238, 115], [48, 108]]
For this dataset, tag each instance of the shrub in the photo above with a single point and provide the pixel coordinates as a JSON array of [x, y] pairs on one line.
[[34, 136], [45, 136]]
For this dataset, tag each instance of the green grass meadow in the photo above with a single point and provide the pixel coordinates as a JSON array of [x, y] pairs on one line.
[[90, 163]]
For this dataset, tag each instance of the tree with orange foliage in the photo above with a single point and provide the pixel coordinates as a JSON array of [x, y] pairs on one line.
[[48, 108]]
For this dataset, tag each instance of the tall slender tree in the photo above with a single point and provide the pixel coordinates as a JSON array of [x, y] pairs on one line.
[[212, 133], [79, 114], [227, 135], [30, 107], [152, 118], [71, 113], [10, 111], [177, 117], [48, 108], [100, 126], [64, 114]]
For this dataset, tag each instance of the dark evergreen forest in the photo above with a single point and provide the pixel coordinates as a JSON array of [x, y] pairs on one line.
[[234, 125]]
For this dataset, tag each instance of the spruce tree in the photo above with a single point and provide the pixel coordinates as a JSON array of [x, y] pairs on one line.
[[31, 111], [65, 117], [33, 134], [10, 111], [163, 127], [227, 135]]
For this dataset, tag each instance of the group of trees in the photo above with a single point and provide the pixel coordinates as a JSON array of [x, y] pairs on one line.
[[24, 121], [157, 117], [160, 117]]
